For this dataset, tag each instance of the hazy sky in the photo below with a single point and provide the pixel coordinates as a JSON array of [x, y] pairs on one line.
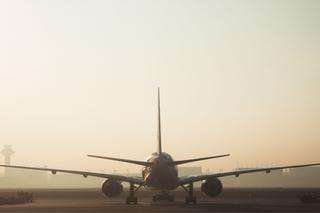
[[239, 77]]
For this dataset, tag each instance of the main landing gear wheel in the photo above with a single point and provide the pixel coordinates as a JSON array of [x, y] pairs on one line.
[[131, 199], [190, 198]]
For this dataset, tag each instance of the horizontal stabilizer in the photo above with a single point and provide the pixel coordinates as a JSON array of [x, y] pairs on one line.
[[175, 163], [142, 163]]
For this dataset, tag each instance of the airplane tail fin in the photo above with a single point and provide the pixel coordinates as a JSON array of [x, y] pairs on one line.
[[175, 163], [159, 124]]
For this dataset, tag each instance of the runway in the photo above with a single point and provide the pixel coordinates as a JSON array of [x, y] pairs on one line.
[[231, 200]]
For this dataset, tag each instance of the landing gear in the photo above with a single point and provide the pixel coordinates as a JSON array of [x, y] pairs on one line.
[[190, 198], [164, 195], [131, 198]]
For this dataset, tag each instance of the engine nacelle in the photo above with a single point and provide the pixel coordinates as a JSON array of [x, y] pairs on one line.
[[112, 188], [212, 187]]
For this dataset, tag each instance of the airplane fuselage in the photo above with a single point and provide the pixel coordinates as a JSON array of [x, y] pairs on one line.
[[161, 175]]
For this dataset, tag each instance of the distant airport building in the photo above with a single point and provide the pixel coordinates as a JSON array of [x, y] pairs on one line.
[[17, 178], [7, 152]]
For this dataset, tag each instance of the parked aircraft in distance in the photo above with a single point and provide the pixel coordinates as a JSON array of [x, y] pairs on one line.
[[160, 173]]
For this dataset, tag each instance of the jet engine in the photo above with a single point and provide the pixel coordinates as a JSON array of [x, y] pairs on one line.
[[212, 187], [112, 188]]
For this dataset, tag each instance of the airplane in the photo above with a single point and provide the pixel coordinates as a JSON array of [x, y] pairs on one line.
[[160, 173]]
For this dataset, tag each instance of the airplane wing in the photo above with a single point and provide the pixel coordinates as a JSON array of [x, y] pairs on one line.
[[191, 179], [135, 180]]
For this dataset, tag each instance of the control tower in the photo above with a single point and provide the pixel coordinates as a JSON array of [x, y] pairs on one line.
[[7, 152]]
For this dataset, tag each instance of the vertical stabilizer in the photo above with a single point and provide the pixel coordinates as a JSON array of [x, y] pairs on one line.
[[159, 124]]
